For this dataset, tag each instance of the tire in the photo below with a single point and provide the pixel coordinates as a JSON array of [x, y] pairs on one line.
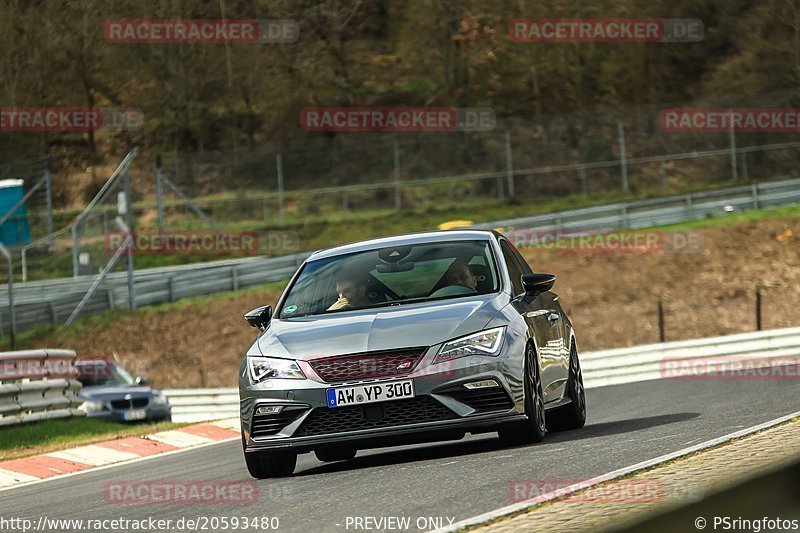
[[329, 455], [533, 429], [262, 465], [572, 415]]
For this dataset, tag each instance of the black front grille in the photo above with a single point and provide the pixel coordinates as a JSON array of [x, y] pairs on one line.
[[483, 400], [325, 420], [133, 403]]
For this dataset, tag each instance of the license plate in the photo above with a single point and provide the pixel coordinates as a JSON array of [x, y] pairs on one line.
[[136, 414], [377, 392]]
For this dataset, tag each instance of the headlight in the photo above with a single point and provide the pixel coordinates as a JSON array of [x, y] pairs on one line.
[[159, 399], [485, 342], [90, 406], [269, 367]]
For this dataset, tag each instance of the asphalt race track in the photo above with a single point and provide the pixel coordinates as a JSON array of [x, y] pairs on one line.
[[457, 480]]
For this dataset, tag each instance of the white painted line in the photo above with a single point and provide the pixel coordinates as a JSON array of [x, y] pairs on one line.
[[9, 478], [93, 455], [116, 465], [228, 423], [521, 506], [179, 439]]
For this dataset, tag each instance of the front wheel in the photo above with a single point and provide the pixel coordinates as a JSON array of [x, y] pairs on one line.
[[533, 429], [262, 465], [572, 415]]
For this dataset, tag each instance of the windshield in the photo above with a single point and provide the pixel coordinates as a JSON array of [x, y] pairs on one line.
[[392, 276], [104, 375]]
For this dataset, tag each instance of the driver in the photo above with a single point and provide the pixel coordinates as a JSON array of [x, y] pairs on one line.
[[352, 292], [460, 274]]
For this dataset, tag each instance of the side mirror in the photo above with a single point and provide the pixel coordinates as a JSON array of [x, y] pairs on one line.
[[259, 317], [535, 284], [141, 381]]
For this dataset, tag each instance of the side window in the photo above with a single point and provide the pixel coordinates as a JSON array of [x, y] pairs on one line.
[[514, 269], [526, 268]]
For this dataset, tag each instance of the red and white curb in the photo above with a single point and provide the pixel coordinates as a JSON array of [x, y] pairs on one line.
[[100, 454]]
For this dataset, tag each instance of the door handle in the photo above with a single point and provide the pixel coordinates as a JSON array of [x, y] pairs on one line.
[[553, 317]]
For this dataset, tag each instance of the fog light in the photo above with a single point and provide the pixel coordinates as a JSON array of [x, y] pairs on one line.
[[269, 410], [485, 384]]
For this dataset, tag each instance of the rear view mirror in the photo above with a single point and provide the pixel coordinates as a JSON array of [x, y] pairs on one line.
[[259, 317], [535, 284]]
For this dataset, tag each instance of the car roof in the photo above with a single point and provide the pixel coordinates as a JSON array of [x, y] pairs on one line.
[[400, 240]]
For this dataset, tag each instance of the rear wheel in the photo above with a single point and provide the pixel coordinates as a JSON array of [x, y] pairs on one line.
[[262, 465], [328, 455], [533, 429], [572, 415]]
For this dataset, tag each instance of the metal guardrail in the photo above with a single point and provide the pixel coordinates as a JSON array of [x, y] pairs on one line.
[[600, 368], [657, 361], [196, 405], [38, 385], [51, 301]]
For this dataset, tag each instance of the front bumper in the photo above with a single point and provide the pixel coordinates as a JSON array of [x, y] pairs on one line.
[[441, 409]]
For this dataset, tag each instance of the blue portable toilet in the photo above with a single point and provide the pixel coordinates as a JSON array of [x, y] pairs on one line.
[[15, 231]]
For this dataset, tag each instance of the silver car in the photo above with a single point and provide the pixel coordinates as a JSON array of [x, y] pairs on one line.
[[407, 339]]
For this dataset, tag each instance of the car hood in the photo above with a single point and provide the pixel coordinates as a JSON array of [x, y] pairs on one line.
[[387, 328], [112, 393]]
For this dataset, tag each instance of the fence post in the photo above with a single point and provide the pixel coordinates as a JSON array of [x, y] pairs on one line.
[[623, 160], [733, 149], [509, 164], [279, 164], [12, 312], [758, 309], [584, 181], [398, 203], [661, 327], [49, 194], [129, 250], [159, 195], [745, 176], [755, 195], [74, 231]]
